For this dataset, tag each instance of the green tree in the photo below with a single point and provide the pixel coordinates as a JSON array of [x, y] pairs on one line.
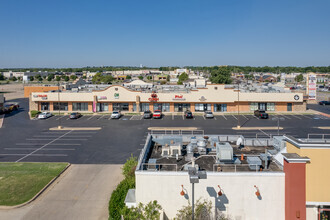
[[128, 77], [66, 78], [84, 77], [141, 77], [58, 78], [183, 77], [299, 78], [221, 75], [50, 77], [97, 78], [31, 78], [38, 77], [151, 211], [2, 77], [14, 78], [73, 77], [107, 79], [202, 211]]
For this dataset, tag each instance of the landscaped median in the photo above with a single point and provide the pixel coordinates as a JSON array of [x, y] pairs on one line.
[[21, 182]]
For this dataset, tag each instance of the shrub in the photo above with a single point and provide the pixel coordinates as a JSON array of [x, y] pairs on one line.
[[202, 211], [129, 167], [151, 211], [34, 113], [117, 199]]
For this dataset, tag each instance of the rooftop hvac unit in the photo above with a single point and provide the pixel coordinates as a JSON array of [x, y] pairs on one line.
[[224, 152], [165, 151], [175, 150], [254, 163]]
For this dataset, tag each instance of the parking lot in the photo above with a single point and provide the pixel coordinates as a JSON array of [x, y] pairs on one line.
[[23, 139]]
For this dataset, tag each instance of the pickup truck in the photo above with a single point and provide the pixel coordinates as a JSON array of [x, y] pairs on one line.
[[157, 114], [261, 114]]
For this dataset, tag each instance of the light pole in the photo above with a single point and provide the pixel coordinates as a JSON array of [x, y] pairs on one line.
[[194, 177], [238, 125], [59, 106], [278, 123]]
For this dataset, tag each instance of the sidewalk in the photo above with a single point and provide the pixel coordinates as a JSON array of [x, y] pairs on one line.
[[82, 193]]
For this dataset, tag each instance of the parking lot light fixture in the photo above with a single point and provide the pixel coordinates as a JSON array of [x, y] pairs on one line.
[[59, 106], [278, 123]]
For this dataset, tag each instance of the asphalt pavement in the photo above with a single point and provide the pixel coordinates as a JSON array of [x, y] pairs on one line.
[[25, 140]]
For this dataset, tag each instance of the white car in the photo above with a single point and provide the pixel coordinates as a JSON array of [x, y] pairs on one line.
[[208, 115], [115, 115], [44, 115]]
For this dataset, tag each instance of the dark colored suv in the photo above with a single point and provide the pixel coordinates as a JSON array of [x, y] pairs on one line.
[[147, 114], [260, 114], [188, 114]]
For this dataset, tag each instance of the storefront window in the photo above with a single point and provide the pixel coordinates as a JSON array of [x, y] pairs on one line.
[[144, 107], [181, 107], [79, 106], [220, 107], [120, 107], [102, 107], [63, 106], [44, 106], [271, 106], [165, 107], [253, 106], [202, 107]]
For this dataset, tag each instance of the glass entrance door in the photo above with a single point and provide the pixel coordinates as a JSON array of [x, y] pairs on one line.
[[262, 106], [289, 107]]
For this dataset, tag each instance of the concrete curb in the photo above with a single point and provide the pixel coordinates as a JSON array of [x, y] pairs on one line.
[[324, 128], [75, 129], [257, 128], [38, 194]]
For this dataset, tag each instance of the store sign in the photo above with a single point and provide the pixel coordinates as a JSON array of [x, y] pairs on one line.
[[311, 86], [179, 97], [101, 98], [43, 97], [296, 97], [153, 98], [116, 95], [202, 99]]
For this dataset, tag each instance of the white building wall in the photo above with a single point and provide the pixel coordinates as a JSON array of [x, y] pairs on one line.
[[311, 213], [238, 200]]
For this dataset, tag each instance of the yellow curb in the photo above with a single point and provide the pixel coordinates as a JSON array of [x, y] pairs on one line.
[[172, 128], [75, 128], [257, 128], [325, 128]]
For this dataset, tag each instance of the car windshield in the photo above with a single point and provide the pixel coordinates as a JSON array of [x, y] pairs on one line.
[[73, 113], [115, 113], [208, 112]]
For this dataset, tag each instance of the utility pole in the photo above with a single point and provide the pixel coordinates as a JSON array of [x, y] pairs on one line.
[[59, 106]]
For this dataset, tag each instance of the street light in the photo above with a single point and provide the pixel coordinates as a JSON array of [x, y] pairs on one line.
[[194, 177], [238, 125], [278, 123]]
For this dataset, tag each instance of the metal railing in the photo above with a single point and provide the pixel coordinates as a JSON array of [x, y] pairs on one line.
[[318, 135], [177, 132], [157, 167], [234, 168]]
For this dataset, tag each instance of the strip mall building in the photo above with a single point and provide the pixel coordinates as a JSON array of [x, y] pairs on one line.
[[215, 98]]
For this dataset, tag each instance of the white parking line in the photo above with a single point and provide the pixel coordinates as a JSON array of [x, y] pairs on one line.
[[234, 116], [38, 155], [182, 117], [48, 139], [215, 118], [53, 144], [60, 117], [40, 149], [43, 146], [245, 117], [85, 136], [224, 117], [204, 117], [172, 116], [307, 116], [100, 117], [285, 116], [296, 116], [91, 117], [264, 132]]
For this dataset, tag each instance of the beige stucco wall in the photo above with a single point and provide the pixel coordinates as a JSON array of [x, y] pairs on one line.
[[238, 200], [211, 95]]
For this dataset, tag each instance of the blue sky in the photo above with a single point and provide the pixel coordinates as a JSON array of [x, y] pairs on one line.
[[70, 33]]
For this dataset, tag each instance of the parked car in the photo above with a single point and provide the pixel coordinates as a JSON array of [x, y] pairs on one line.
[[157, 114], [208, 115], [115, 115], [44, 115], [9, 107], [260, 114], [324, 102], [75, 115], [188, 114], [147, 114]]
